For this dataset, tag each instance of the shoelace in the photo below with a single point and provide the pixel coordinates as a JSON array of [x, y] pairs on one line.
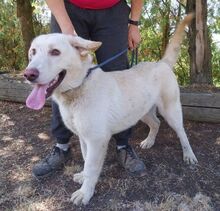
[[130, 151], [52, 152]]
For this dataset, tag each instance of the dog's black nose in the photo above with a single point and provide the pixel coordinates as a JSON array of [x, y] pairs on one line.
[[31, 74]]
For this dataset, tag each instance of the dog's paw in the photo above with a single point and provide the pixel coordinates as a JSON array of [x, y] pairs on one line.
[[78, 177], [190, 158], [147, 143], [81, 197]]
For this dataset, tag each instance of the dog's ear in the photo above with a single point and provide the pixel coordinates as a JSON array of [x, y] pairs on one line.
[[83, 45]]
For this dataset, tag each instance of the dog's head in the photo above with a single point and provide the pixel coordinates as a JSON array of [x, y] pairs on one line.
[[56, 62]]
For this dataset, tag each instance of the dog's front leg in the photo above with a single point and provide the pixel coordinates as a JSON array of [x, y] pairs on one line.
[[79, 177], [83, 148], [96, 151]]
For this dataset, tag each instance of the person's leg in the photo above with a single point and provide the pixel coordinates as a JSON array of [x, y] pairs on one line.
[[59, 131], [111, 28], [77, 15]]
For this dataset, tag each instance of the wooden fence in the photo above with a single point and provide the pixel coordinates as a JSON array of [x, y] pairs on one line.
[[198, 106]]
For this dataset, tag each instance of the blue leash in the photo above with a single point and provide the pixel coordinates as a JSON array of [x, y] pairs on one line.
[[134, 57]]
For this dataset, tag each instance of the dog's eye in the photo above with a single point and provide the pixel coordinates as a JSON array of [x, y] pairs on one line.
[[31, 54], [55, 52], [33, 51]]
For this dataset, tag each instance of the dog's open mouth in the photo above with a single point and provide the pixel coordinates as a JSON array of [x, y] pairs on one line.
[[41, 92], [55, 83]]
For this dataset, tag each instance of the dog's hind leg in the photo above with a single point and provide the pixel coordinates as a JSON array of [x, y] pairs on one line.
[[154, 123], [96, 151], [172, 113]]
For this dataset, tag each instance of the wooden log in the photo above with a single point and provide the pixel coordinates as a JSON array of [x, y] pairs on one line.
[[201, 106], [201, 114], [198, 106], [202, 99], [14, 89]]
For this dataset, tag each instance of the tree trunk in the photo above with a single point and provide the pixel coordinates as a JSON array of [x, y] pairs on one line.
[[199, 44], [24, 13]]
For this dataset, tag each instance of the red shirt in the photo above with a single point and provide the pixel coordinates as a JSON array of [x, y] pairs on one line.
[[94, 4]]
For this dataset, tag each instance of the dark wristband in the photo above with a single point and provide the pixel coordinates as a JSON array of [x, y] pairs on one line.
[[136, 23]]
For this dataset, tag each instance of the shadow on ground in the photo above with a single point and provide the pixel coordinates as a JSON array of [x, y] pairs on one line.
[[169, 185]]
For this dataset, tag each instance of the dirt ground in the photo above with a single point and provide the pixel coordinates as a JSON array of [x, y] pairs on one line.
[[169, 185]]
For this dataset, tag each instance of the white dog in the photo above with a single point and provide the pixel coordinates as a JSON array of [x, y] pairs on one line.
[[104, 103]]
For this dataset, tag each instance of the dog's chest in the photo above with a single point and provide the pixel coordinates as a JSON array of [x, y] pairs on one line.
[[71, 117]]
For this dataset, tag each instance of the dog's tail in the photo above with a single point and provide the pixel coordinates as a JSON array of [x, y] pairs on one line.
[[172, 51]]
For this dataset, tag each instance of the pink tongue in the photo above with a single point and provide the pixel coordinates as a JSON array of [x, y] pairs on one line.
[[37, 98]]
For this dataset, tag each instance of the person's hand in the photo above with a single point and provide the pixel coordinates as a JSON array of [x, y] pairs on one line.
[[134, 36]]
